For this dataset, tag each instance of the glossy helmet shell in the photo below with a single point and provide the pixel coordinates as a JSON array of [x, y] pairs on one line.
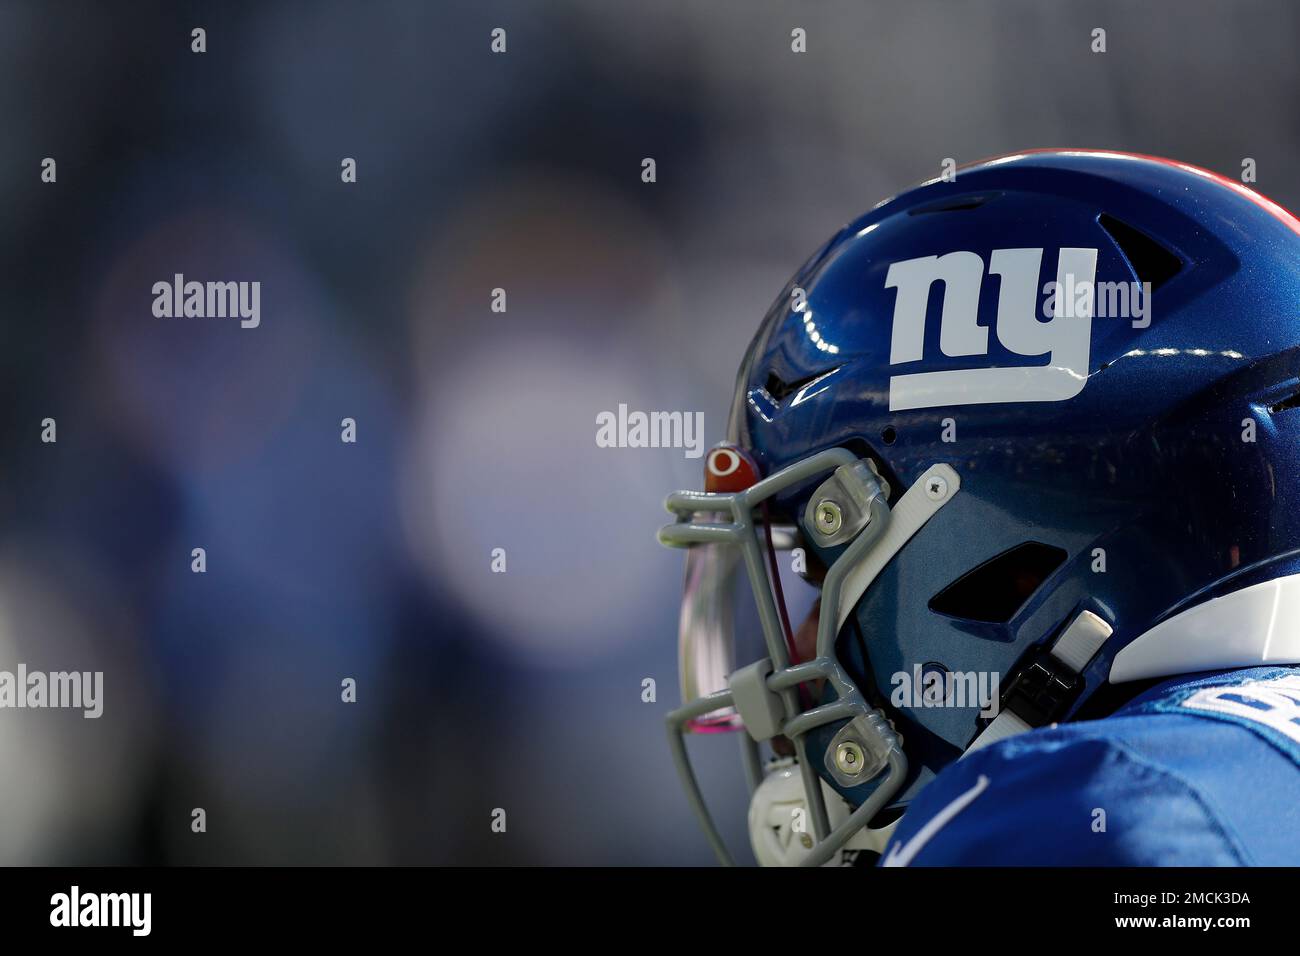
[[1143, 479]]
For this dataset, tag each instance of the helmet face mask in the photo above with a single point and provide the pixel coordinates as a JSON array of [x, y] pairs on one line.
[[848, 509], [996, 495]]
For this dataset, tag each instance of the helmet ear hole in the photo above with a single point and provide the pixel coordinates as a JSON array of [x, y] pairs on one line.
[[994, 591]]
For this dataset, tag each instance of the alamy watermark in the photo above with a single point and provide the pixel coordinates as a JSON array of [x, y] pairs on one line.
[[128, 910], [1073, 299], [72, 690], [633, 429], [934, 686], [208, 300]]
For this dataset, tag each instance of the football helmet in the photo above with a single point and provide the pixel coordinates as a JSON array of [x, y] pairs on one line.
[[1019, 423]]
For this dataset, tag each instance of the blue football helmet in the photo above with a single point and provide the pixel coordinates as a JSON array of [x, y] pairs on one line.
[[1016, 421]]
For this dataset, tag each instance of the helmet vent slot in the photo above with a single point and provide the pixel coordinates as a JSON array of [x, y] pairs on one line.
[[781, 390], [1286, 404], [1151, 261], [955, 204], [994, 591]]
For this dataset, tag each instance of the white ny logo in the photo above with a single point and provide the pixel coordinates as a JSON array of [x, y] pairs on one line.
[[1064, 339]]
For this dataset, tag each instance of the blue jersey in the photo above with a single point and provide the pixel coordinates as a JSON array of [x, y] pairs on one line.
[[1198, 771]]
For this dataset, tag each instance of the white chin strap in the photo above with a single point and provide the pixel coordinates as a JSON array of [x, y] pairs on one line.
[[1071, 652], [780, 829]]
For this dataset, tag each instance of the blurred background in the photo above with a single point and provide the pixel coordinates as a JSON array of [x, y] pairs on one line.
[[475, 429]]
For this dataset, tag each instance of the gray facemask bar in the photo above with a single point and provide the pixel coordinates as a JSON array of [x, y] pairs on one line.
[[860, 503]]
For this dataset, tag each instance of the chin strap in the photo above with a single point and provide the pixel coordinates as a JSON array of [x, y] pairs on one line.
[[1043, 689], [780, 801]]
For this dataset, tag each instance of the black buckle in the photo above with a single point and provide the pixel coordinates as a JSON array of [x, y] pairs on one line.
[[1042, 690]]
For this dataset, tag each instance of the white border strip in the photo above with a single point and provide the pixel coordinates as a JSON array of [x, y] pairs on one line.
[[1257, 625]]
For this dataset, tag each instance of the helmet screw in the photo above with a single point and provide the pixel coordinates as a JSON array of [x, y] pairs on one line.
[[828, 517], [936, 488], [849, 759]]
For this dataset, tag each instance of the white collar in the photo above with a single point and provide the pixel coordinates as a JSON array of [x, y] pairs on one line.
[[1257, 625]]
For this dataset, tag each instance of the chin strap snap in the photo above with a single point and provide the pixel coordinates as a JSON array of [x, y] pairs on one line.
[[1043, 689]]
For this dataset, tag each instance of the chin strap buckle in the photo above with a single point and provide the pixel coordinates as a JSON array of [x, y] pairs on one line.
[[1043, 690]]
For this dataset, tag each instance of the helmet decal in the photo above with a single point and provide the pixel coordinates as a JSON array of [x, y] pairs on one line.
[[1064, 339]]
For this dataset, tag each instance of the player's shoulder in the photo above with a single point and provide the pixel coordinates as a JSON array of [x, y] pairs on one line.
[[1202, 771]]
